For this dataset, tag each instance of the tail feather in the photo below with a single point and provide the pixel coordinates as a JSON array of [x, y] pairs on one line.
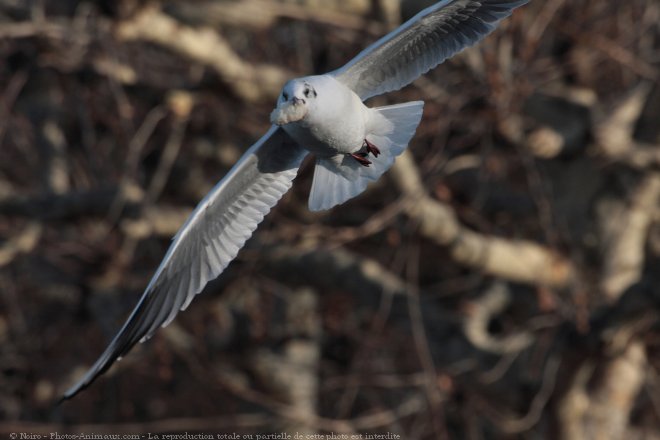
[[340, 178]]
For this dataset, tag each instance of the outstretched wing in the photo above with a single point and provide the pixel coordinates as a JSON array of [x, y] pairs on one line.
[[208, 241], [421, 43]]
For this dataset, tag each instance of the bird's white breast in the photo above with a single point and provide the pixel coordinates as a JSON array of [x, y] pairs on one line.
[[335, 122]]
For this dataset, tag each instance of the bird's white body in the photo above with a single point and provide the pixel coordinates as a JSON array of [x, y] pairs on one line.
[[335, 106], [328, 119]]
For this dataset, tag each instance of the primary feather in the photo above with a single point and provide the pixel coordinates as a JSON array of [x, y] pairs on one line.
[[426, 40], [208, 241]]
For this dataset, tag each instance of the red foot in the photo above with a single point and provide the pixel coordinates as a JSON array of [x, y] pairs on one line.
[[371, 148], [361, 158]]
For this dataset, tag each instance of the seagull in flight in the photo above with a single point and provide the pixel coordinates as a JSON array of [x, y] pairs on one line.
[[323, 115]]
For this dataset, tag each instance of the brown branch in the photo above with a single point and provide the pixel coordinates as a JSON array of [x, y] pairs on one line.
[[65, 206], [340, 236], [159, 221], [613, 50], [22, 242], [135, 146], [525, 422], [291, 371], [607, 369], [480, 314], [181, 104], [8, 98], [327, 269], [604, 412], [52, 29], [514, 260], [387, 417], [537, 28], [263, 14], [204, 45], [614, 134], [612, 401], [624, 256], [423, 350]]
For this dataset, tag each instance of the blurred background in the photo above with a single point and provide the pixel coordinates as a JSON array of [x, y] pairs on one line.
[[502, 281]]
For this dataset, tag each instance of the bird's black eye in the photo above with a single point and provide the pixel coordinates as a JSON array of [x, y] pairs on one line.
[[309, 91], [285, 95]]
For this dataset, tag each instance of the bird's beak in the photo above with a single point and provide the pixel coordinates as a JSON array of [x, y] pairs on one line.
[[289, 111]]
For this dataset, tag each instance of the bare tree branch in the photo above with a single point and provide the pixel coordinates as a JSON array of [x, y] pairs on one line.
[[480, 313], [204, 45], [624, 257], [514, 260], [22, 243]]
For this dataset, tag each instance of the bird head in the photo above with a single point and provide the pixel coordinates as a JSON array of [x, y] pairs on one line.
[[297, 98]]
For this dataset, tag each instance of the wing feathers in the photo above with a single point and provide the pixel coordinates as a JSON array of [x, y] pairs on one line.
[[423, 42], [208, 241]]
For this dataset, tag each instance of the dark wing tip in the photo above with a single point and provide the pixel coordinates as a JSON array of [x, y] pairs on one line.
[[102, 365], [180, 277], [134, 329]]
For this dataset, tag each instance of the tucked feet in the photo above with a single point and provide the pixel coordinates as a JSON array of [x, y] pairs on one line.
[[371, 148], [361, 158]]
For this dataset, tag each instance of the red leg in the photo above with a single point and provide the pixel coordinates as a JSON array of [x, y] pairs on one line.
[[361, 158], [371, 148]]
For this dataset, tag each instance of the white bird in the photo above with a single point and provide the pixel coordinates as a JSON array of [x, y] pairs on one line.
[[323, 115]]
